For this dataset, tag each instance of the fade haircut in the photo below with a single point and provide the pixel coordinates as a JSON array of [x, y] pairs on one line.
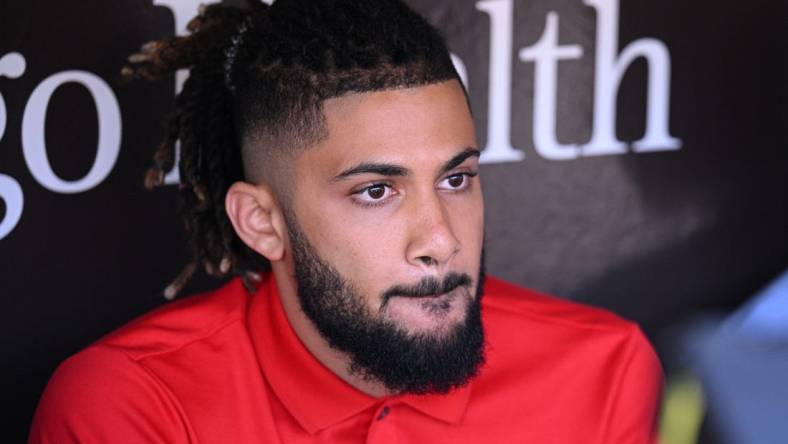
[[259, 75]]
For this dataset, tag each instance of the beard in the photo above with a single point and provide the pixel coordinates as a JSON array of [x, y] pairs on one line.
[[378, 349]]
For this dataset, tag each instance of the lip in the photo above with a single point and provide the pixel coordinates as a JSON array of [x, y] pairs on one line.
[[431, 296], [426, 311]]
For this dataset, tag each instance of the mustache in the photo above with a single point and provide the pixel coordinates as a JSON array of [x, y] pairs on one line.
[[428, 286]]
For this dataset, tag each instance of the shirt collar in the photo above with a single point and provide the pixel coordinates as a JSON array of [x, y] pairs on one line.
[[312, 393]]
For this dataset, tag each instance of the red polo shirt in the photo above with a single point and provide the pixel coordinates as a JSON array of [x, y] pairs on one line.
[[225, 367]]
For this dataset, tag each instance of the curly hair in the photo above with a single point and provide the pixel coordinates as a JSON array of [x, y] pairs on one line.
[[258, 77]]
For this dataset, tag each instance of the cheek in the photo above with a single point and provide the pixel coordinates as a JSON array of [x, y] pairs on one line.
[[467, 222], [363, 252], [367, 247]]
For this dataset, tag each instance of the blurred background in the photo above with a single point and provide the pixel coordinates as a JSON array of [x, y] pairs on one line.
[[635, 159]]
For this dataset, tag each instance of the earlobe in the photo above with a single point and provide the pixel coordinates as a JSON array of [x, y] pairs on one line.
[[255, 215]]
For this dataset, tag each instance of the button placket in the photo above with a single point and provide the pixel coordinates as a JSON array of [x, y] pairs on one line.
[[383, 412]]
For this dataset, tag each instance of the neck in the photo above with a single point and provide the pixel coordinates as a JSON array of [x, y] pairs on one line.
[[336, 361]]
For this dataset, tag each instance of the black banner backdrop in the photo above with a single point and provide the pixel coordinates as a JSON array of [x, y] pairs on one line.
[[634, 159]]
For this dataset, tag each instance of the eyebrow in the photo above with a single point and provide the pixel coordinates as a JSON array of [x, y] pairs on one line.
[[455, 161], [383, 169], [391, 170]]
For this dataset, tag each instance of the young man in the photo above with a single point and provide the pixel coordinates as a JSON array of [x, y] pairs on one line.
[[329, 162]]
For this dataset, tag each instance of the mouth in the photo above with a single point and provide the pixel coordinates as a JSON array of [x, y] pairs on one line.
[[439, 304], [435, 305], [429, 297], [430, 287]]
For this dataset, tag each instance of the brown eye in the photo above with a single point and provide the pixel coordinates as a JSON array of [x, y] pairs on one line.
[[376, 192], [456, 181]]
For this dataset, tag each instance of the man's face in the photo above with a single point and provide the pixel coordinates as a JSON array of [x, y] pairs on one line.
[[386, 228]]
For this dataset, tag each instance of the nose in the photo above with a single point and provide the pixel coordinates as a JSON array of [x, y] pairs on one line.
[[432, 242]]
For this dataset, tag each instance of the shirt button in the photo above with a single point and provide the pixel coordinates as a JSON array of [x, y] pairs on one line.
[[383, 413]]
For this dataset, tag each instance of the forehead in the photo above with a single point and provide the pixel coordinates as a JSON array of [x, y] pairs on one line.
[[423, 125]]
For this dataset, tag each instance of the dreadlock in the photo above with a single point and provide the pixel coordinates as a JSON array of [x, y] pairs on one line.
[[258, 77]]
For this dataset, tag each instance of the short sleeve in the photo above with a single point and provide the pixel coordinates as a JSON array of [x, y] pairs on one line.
[[637, 395], [102, 395]]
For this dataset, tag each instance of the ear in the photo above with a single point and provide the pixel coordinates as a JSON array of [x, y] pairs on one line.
[[257, 219]]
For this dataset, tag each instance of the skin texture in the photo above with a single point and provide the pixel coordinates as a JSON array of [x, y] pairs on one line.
[[376, 201]]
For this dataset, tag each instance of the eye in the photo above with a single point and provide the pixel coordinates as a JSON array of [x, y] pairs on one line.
[[374, 194], [457, 182]]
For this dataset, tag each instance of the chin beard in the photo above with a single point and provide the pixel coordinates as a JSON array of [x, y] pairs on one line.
[[378, 349]]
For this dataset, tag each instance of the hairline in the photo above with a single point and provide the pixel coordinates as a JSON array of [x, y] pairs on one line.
[[271, 161]]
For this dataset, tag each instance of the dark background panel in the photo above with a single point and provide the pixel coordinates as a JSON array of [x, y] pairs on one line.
[[655, 237]]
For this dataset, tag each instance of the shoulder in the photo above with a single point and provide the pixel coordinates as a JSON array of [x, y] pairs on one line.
[[592, 366], [102, 393], [115, 386], [571, 363], [505, 302], [553, 338], [181, 322], [514, 314]]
